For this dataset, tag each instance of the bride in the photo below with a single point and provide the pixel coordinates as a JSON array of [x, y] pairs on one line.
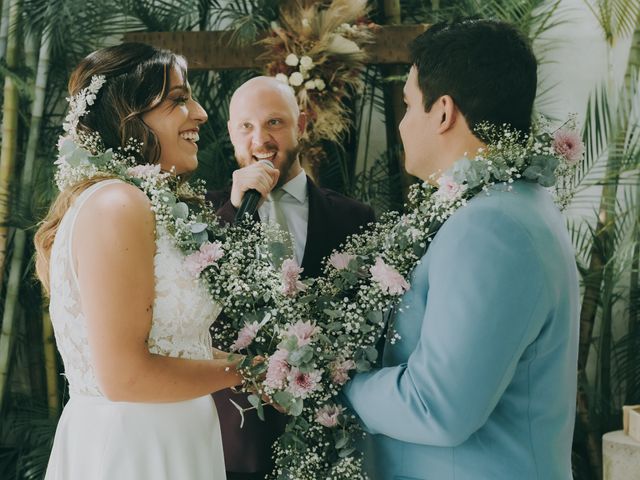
[[131, 325]]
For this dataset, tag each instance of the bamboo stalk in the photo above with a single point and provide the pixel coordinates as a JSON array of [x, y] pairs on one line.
[[50, 364], [9, 134], [4, 27], [7, 160]]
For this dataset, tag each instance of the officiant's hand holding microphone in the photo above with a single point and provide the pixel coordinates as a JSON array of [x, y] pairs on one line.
[[252, 184]]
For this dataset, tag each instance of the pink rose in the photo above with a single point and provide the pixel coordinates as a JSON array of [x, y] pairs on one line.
[[141, 171], [388, 278], [277, 370], [303, 331], [449, 190], [301, 385], [568, 144], [340, 261], [328, 415], [339, 370], [246, 336], [290, 275]]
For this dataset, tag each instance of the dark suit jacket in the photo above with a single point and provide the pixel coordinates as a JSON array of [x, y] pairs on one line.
[[332, 218]]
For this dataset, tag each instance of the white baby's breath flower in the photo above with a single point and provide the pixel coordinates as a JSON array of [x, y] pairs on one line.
[[310, 84], [320, 85]]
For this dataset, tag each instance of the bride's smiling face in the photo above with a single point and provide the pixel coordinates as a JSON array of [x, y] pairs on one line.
[[176, 122]]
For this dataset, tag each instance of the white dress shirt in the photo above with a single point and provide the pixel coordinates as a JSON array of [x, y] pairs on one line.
[[295, 206]]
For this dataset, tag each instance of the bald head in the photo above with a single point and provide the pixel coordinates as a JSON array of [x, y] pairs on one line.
[[265, 123], [259, 88]]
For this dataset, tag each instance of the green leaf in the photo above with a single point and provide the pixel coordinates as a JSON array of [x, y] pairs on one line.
[[375, 317], [198, 227], [296, 407], [301, 356], [371, 353], [285, 399], [181, 210], [363, 365], [341, 439]]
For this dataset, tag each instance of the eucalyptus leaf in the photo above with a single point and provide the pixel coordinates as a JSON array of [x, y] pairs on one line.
[[200, 237], [296, 407], [181, 210], [341, 439], [198, 227], [345, 452], [363, 365], [301, 356]]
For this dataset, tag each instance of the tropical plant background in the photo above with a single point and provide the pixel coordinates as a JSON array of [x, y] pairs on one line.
[[41, 41]]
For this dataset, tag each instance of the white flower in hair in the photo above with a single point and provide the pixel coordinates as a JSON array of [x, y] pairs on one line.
[[78, 104]]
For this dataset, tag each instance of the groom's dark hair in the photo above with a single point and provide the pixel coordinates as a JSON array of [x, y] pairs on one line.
[[486, 66]]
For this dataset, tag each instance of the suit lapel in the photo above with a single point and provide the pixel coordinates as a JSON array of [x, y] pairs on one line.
[[315, 227]]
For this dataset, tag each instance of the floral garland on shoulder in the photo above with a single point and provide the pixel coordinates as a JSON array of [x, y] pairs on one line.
[[312, 335]]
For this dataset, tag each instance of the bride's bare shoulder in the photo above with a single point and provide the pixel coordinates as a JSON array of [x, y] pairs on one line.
[[117, 205]]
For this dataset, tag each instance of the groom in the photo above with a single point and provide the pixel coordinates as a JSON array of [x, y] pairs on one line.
[[482, 384], [265, 123]]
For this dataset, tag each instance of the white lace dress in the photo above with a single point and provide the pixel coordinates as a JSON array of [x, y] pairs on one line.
[[100, 439]]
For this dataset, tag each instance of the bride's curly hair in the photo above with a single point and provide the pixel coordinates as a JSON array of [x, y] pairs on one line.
[[137, 80]]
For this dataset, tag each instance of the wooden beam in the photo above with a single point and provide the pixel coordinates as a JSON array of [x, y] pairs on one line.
[[216, 50]]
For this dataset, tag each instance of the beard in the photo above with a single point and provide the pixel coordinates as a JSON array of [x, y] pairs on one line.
[[290, 157]]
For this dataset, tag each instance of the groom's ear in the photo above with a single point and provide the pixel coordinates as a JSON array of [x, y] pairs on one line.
[[302, 123], [448, 113]]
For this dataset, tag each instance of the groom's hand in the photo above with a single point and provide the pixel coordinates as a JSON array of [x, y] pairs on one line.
[[257, 176]]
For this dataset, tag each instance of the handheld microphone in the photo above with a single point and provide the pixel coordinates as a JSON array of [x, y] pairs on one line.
[[250, 201]]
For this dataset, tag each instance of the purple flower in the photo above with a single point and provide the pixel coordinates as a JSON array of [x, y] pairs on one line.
[[328, 415], [568, 144], [339, 370], [277, 370], [290, 275], [340, 261], [245, 336], [302, 384], [388, 278], [303, 331]]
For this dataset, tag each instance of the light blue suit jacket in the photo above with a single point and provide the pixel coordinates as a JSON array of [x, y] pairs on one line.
[[482, 384]]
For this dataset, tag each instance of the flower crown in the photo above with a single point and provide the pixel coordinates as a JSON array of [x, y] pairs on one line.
[[81, 154]]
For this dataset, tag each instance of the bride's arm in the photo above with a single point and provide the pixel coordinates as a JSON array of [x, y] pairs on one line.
[[114, 245]]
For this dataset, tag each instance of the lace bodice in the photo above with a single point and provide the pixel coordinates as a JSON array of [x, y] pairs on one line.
[[182, 309]]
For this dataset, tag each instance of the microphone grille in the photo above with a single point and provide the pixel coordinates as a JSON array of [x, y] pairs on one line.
[[267, 162]]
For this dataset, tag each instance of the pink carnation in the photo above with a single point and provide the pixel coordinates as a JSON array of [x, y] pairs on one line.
[[208, 254], [246, 336], [141, 171], [302, 384], [339, 370], [449, 190], [568, 144], [388, 278], [340, 261], [303, 331], [290, 275], [277, 370], [212, 252], [328, 415]]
